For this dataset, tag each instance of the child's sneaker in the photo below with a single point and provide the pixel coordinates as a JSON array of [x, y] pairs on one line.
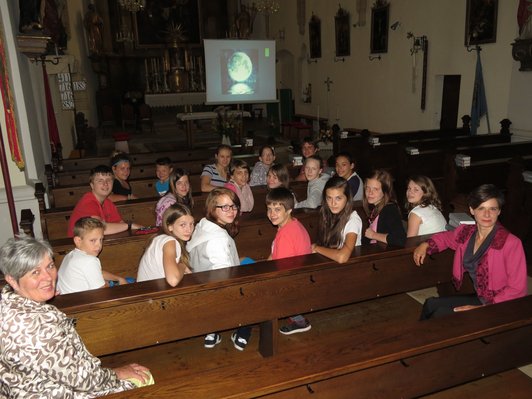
[[239, 342], [293, 327], [211, 340]]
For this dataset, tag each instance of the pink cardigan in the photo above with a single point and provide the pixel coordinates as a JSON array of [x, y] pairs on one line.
[[501, 272]]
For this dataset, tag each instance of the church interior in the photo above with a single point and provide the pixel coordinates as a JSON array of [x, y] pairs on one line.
[[410, 86]]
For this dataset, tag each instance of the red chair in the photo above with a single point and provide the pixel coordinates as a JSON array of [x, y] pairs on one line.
[[128, 116], [145, 116]]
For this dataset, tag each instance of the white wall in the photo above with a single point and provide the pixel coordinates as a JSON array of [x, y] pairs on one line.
[[378, 94]]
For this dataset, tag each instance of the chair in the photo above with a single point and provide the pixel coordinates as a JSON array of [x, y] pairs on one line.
[[128, 116], [107, 117], [145, 116]]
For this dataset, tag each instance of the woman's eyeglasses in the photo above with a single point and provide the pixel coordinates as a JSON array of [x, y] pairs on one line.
[[227, 208]]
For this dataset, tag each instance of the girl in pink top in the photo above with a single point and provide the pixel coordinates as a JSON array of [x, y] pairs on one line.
[[239, 184]]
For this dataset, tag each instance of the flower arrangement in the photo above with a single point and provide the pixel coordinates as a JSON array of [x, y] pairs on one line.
[[227, 122], [326, 134]]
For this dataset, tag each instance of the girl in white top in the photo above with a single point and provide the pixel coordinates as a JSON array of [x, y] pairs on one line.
[[260, 170], [340, 227], [166, 256], [212, 245], [424, 207]]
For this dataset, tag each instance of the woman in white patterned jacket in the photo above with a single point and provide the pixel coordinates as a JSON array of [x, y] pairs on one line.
[[42, 355]]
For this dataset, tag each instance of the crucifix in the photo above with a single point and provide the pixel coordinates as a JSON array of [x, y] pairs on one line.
[[328, 82]]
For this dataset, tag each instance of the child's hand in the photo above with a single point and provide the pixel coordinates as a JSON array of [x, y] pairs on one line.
[[122, 280]]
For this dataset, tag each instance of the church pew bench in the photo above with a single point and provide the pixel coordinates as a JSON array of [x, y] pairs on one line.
[[407, 359], [121, 252], [384, 356], [143, 158], [143, 171], [54, 222], [453, 142], [494, 151], [389, 356], [111, 321], [512, 383], [391, 154], [142, 188]]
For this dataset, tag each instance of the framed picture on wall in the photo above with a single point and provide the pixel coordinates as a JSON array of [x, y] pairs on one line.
[[341, 28], [481, 22], [314, 34], [379, 27]]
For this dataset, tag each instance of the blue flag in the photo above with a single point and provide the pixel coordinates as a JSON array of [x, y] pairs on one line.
[[479, 106]]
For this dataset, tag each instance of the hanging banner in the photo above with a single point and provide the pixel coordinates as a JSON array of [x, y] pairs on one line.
[[7, 98]]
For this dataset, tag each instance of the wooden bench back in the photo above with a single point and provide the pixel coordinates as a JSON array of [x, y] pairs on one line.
[[144, 158], [114, 320], [68, 196], [143, 171], [122, 252], [377, 360], [142, 211]]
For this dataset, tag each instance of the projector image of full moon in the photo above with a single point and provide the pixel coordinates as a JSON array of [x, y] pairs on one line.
[[240, 68]]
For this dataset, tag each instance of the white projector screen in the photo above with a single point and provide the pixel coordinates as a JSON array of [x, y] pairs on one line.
[[240, 71]]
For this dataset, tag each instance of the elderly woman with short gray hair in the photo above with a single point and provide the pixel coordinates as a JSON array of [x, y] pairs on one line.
[[42, 354]]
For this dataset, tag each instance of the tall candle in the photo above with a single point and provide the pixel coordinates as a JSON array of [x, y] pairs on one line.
[[318, 115], [337, 113], [146, 65]]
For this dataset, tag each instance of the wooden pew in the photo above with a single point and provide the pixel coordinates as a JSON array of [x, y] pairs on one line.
[[68, 196], [261, 292], [387, 358], [391, 153], [403, 355], [143, 158], [143, 171], [122, 252], [54, 222], [513, 383]]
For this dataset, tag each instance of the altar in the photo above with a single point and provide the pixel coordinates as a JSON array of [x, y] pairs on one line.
[[174, 99], [190, 117]]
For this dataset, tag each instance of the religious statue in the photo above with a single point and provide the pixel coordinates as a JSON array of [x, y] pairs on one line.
[[524, 19], [52, 23], [244, 21], [94, 25], [30, 15]]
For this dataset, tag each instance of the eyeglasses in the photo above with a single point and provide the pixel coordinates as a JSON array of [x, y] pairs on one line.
[[227, 208]]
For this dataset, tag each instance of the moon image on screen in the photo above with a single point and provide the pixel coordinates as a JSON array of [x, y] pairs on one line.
[[240, 67]]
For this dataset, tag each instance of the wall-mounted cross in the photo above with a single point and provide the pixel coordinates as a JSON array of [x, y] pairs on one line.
[[328, 82]]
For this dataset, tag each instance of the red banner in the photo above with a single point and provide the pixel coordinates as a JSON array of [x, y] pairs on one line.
[[7, 98]]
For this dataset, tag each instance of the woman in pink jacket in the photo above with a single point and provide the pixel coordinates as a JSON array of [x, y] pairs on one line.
[[490, 254]]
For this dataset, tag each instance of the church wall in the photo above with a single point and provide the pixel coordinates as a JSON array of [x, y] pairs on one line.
[[378, 95]]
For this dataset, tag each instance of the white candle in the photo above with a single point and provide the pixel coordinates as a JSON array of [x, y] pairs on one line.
[[337, 113], [318, 115]]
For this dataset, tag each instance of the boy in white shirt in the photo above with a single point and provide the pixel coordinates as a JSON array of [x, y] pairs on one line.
[[81, 269]]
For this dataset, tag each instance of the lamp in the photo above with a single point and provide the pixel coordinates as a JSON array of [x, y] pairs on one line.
[[267, 7], [132, 5], [395, 25]]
